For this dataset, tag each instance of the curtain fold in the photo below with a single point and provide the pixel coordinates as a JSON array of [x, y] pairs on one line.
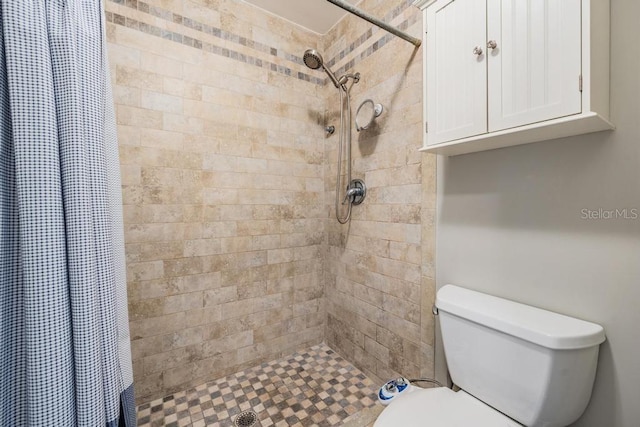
[[65, 358]]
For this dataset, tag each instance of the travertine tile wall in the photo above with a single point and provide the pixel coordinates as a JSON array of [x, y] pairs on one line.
[[379, 281], [228, 190], [222, 146]]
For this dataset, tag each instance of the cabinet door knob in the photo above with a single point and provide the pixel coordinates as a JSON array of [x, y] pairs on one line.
[[491, 44], [477, 50]]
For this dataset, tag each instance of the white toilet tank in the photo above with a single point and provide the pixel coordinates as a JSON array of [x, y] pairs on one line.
[[533, 365]]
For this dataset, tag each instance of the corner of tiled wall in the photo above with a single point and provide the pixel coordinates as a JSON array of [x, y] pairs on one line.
[[380, 281], [234, 254]]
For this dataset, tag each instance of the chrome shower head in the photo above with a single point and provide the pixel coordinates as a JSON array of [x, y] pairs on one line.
[[313, 60]]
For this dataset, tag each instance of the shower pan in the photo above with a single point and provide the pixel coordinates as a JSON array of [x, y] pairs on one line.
[[355, 189]]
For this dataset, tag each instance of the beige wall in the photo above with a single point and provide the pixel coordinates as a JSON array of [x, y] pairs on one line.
[[379, 270], [221, 141], [510, 223]]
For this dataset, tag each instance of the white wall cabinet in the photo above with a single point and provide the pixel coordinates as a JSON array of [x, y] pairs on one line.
[[508, 72]]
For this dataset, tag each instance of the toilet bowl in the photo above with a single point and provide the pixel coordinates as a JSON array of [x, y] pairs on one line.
[[441, 407], [515, 365]]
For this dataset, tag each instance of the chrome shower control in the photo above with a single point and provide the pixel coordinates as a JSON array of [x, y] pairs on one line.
[[356, 192]]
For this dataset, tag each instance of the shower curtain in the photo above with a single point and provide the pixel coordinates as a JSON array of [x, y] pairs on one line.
[[65, 357]]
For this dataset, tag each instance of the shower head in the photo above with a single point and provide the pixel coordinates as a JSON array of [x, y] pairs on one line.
[[313, 60]]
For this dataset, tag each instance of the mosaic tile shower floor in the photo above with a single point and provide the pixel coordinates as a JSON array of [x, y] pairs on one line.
[[316, 387]]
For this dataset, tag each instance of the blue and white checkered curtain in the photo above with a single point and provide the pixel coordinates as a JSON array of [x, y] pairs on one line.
[[65, 357]]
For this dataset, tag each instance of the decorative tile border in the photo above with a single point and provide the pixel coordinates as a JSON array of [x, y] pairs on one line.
[[375, 46], [169, 16], [206, 46], [176, 37], [364, 37]]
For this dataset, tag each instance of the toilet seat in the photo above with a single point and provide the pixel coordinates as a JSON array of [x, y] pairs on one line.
[[441, 407]]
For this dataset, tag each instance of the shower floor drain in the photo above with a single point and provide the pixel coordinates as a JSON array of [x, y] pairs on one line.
[[246, 419]]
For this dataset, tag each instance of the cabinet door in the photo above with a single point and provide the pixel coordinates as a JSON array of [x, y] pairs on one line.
[[456, 76], [534, 70]]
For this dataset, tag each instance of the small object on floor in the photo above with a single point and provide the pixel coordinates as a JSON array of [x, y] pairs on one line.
[[393, 389]]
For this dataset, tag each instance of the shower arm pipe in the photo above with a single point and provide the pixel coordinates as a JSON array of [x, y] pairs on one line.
[[375, 21]]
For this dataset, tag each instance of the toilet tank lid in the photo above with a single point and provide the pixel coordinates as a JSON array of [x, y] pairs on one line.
[[542, 327]]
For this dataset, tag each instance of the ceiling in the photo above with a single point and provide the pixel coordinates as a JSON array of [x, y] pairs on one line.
[[315, 15]]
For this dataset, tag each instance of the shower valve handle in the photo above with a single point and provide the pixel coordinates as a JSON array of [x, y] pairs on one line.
[[352, 192], [356, 192]]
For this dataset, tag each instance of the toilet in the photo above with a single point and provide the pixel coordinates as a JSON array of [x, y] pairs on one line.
[[515, 365]]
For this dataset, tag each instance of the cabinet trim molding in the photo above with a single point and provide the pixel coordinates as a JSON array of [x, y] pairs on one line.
[[552, 129]]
